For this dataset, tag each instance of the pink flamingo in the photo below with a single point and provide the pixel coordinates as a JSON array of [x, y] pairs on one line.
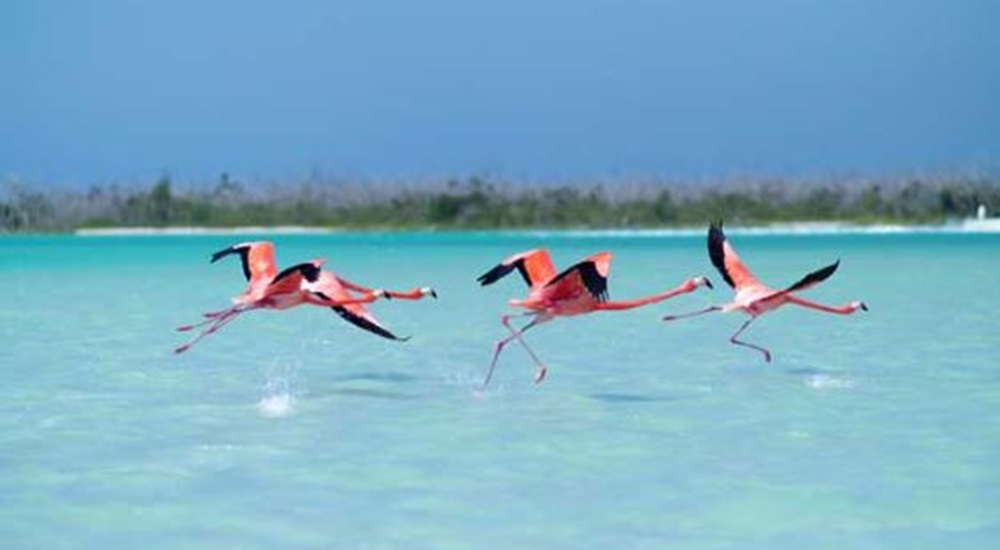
[[335, 292], [304, 283], [582, 288], [752, 297]]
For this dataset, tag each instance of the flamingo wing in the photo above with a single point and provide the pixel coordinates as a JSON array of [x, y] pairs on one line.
[[257, 259], [535, 266], [810, 280], [590, 274], [330, 289], [724, 259], [814, 278], [291, 279], [359, 316]]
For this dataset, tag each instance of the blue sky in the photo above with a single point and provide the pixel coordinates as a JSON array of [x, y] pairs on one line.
[[116, 90]]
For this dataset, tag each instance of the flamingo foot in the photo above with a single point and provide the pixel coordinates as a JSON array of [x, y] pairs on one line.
[[540, 375], [185, 328], [767, 356], [182, 349]]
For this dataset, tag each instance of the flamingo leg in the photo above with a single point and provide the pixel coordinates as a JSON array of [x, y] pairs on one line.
[[733, 340], [709, 309], [223, 319], [514, 335], [540, 374], [210, 317]]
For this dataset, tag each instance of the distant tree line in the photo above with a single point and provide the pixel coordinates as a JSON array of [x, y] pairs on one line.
[[478, 203]]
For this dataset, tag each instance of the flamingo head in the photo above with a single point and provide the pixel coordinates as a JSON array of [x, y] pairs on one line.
[[428, 291], [859, 305], [703, 281]]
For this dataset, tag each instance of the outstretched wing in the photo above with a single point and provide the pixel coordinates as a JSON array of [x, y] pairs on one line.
[[291, 279], [590, 274], [814, 278], [724, 259], [257, 259], [359, 316], [535, 267], [329, 288]]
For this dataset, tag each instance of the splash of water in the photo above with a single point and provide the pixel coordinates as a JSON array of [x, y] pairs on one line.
[[277, 400], [828, 382], [277, 405]]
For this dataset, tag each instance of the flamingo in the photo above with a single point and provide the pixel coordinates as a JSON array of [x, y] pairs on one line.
[[304, 283], [333, 291], [753, 297], [581, 288]]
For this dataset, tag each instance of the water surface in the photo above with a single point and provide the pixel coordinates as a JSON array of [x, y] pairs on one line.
[[296, 430]]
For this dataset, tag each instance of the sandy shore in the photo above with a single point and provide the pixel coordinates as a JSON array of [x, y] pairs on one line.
[[991, 225], [193, 230]]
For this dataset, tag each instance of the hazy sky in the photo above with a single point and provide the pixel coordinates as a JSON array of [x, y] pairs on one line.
[[95, 91]]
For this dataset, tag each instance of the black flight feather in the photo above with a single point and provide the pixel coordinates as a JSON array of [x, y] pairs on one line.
[[595, 283], [716, 238], [815, 277], [365, 324], [243, 251], [309, 272], [502, 270]]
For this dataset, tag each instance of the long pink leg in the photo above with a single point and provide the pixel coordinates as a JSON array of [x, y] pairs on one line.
[[709, 309], [733, 340], [514, 335], [209, 317], [221, 321], [540, 374]]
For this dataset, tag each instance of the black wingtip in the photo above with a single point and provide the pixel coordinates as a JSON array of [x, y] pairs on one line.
[[716, 251], [216, 256], [365, 324], [495, 274], [308, 270], [815, 277]]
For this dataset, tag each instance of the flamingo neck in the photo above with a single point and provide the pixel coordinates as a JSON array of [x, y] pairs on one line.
[[652, 299]]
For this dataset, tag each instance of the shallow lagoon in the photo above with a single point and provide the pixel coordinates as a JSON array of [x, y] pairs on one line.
[[296, 430]]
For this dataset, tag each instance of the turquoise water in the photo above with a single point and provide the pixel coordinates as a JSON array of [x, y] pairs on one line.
[[295, 430]]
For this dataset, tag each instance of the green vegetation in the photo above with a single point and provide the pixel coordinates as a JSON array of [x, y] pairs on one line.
[[480, 204]]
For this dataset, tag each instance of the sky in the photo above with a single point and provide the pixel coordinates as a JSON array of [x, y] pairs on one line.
[[101, 91]]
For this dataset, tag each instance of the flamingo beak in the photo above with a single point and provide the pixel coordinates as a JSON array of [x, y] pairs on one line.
[[864, 306], [708, 282]]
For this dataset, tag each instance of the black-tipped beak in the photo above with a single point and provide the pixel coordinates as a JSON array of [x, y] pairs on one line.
[[434, 294], [864, 306], [708, 283]]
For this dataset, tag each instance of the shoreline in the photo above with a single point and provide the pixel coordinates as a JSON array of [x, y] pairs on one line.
[[198, 230], [987, 226]]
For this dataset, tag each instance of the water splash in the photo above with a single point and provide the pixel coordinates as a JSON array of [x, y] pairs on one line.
[[277, 405], [277, 400], [829, 382]]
